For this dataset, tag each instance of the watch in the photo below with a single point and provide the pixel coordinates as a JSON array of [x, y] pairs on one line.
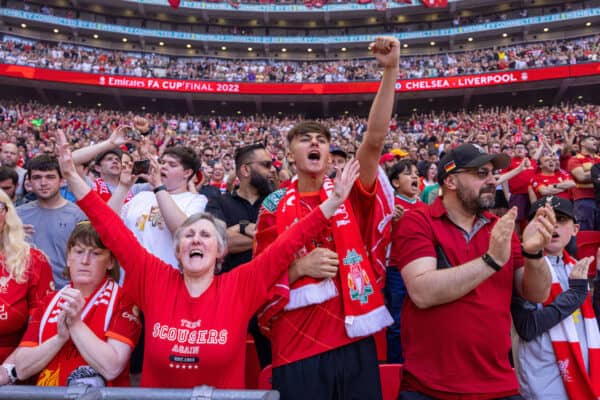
[[491, 262], [11, 371], [243, 224]]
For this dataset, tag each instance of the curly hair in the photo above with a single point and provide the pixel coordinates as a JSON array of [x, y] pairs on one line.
[[14, 248]]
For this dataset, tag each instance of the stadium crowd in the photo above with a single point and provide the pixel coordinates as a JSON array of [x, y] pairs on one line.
[[216, 226], [66, 56]]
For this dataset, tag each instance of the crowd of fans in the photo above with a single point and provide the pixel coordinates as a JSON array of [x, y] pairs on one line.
[[87, 59], [214, 227]]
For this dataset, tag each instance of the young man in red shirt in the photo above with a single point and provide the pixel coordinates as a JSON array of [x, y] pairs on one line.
[[317, 330], [580, 167], [460, 265], [551, 180]]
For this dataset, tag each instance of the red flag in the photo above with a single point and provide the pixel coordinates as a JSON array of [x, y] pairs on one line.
[[174, 3], [319, 3], [364, 1], [308, 3], [380, 5], [435, 3]]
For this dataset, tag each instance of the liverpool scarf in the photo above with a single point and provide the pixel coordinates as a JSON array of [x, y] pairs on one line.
[[578, 383], [102, 189], [97, 314], [361, 271]]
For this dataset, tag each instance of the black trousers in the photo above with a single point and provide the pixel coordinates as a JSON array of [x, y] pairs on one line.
[[421, 396], [347, 373]]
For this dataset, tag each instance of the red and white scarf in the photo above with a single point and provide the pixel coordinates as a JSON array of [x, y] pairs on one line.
[[97, 314], [361, 271], [102, 189], [578, 383]]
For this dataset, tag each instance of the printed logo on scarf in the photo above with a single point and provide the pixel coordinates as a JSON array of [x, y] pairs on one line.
[[358, 281]]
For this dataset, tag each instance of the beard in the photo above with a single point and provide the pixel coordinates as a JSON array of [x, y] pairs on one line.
[[263, 185], [484, 200]]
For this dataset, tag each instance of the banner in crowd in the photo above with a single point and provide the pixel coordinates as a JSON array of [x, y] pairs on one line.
[[403, 85]]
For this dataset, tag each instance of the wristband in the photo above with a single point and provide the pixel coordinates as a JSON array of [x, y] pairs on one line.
[[532, 256], [11, 371], [159, 188], [490, 262]]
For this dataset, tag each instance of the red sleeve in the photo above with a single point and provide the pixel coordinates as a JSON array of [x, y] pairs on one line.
[[125, 325], [141, 267], [41, 282], [266, 231], [263, 271], [412, 239]]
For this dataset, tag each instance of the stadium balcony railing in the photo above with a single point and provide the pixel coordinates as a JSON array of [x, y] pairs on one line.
[[85, 392], [78, 24]]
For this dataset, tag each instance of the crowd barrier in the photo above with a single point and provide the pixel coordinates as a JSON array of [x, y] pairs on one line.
[[85, 392]]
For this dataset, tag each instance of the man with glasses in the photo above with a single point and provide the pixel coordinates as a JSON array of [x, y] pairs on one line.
[[239, 210], [460, 264]]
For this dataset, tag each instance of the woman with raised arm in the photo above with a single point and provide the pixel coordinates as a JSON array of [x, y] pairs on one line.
[[196, 322]]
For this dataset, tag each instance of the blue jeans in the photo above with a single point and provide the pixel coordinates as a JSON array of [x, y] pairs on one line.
[[584, 213], [395, 292]]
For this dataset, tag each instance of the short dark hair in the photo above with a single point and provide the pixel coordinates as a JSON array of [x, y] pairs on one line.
[[9, 173], [85, 234], [400, 167], [308, 127], [244, 154], [186, 156], [43, 162]]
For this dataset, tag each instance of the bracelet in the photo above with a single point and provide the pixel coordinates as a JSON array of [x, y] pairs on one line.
[[11, 371], [159, 188], [532, 256], [491, 262]]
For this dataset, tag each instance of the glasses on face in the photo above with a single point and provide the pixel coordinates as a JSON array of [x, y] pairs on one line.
[[482, 173], [208, 154], [266, 164]]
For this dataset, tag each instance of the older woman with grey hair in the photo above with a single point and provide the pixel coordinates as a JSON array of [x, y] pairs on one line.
[[195, 320]]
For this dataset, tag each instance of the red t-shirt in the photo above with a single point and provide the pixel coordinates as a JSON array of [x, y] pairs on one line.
[[124, 326], [459, 349], [519, 184], [540, 180], [408, 206], [582, 190], [193, 341], [18, 300], [307, 331]]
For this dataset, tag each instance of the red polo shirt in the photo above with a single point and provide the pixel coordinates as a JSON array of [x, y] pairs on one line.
[[460, 349]]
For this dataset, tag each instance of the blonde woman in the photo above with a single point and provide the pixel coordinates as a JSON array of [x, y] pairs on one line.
[[25, 279]]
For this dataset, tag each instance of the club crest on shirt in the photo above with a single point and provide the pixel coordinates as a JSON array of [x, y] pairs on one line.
[[358, 282]]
